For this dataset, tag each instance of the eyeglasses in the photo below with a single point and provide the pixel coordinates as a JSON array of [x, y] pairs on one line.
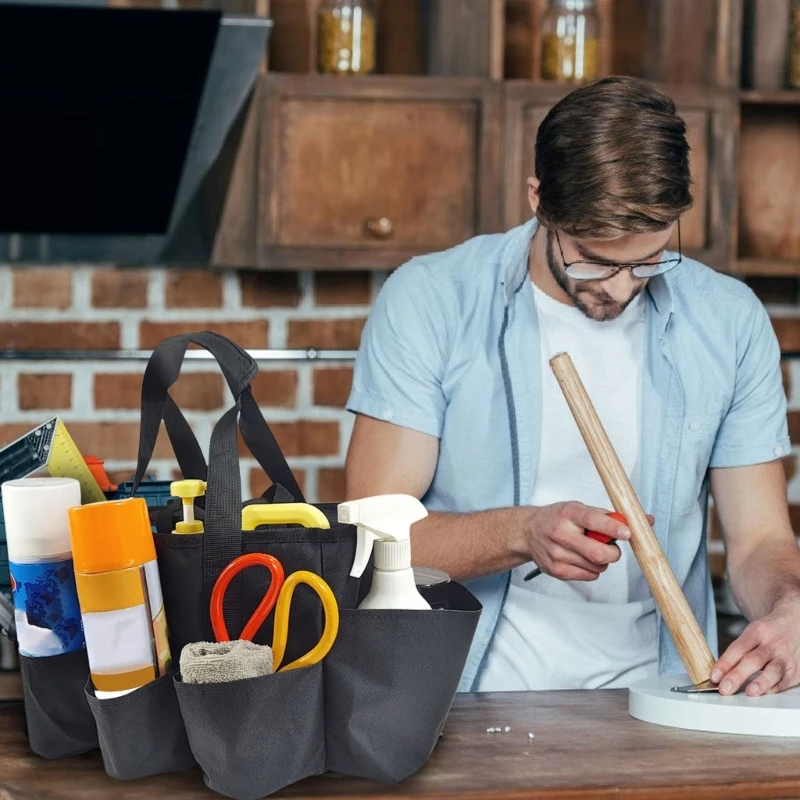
[[595, 271]]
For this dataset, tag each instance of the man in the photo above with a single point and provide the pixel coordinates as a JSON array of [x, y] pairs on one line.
[[456, 404]]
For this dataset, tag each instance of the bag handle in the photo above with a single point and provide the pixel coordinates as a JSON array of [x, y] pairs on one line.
[[222, 539], [263, 446], [239, 370], [184, 443]]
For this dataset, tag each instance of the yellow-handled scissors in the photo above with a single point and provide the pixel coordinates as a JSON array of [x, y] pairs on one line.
[[278, 596]]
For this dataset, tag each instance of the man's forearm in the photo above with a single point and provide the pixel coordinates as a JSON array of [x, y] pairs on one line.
[[768, 576], [469, 546]]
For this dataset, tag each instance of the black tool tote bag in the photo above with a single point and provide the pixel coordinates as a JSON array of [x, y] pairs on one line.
[[374, 707]]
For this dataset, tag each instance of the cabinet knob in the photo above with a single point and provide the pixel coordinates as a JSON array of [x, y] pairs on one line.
[[380, 228]]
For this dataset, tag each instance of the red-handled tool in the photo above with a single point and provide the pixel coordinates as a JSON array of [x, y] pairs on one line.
[[603, 538], [279, 595]]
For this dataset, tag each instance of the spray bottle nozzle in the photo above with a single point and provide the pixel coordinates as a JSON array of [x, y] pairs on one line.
[[386, 519], [385, 523], [188, 491]]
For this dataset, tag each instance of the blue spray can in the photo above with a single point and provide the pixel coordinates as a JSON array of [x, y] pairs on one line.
[[46, 609]]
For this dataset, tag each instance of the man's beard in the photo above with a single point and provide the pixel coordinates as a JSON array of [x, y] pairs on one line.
[[604, 307]]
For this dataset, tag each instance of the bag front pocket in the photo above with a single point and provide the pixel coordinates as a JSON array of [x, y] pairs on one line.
[[141, 733], [253, 737], [390, 680], [59, 721]]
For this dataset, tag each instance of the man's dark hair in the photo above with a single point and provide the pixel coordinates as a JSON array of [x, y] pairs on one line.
[[612, 158]]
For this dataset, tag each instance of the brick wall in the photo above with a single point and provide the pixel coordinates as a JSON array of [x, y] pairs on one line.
[[106, 308], [98, 308]]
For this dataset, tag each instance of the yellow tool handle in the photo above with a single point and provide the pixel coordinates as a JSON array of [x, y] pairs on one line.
[[281, 631], [282, 514]]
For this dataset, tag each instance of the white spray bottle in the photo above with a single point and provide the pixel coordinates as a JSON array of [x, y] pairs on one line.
[[385, 523]]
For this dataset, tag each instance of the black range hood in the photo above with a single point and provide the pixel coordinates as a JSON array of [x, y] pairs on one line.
[[113, 126]]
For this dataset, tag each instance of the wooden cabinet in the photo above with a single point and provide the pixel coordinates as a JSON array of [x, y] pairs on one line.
[[367, 173], [688, 42], [768, 174], [708, 230]]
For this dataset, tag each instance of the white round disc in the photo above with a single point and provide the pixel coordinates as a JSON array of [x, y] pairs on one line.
[[652, 700]]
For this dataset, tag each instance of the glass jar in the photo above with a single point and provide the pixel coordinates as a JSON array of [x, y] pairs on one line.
[[346, 37], [794, 47], [571, 41]]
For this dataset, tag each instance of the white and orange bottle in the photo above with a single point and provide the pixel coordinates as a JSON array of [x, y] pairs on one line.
[[119, 589]]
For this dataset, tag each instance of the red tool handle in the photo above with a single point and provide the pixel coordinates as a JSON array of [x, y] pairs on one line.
[[264, 607], [602, 537], [596, 535]]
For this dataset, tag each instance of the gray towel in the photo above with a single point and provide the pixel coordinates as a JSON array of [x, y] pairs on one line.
[[220, 662]]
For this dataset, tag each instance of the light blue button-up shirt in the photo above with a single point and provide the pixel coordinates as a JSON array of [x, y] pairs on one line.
[[452, 349]]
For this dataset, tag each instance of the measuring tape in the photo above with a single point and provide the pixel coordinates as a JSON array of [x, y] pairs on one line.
[[50, 446]]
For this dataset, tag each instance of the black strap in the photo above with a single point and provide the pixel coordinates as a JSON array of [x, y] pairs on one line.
[[184, 443], [162, 371], [222, 540], [275, 494], [239, 369], [265, 449]]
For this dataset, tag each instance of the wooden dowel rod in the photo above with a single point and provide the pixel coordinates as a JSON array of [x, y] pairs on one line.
[[678, 616]]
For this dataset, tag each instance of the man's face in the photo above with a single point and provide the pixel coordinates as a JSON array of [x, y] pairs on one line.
[[607, 298]]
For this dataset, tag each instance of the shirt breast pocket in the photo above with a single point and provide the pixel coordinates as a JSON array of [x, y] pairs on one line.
[[698, 434]]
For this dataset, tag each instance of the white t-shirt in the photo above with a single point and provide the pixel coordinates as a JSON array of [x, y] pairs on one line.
[[556, 634]]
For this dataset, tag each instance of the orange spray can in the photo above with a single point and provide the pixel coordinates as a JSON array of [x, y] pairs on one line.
[[119, 591]]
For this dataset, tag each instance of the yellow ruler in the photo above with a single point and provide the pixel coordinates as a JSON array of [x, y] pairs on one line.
[[66, 461], [51, 447]]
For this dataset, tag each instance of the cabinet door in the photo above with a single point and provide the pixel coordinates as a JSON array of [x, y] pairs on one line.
[[360, 173], [711, 116]]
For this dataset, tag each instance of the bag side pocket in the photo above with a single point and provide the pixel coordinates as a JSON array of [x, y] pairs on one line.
[[59, 721], [390, 680], [253, 737], [141, 733]]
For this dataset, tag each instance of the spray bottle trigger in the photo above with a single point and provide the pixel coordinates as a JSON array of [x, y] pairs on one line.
[[364, 542]]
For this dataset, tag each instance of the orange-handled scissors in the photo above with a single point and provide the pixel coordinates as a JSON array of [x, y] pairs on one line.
[[279, 597]]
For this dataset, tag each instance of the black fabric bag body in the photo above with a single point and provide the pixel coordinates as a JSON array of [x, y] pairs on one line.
[[374, 707]]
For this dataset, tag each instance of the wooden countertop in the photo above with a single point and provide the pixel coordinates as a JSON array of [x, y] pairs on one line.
[[585, 746], [10, 686]]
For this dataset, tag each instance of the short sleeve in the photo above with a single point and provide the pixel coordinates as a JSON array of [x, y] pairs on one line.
[[755, 428], [401, 360]]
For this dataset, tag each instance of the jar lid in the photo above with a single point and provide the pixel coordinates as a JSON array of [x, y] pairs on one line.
[[573, 5], [426, 577]]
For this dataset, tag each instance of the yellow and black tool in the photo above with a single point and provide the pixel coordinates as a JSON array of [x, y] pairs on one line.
[[252, 516], [49, 446]]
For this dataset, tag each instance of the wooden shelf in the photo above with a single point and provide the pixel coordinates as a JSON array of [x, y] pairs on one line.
[[768, 267], [10, 686], [448, 38], [780, 97]]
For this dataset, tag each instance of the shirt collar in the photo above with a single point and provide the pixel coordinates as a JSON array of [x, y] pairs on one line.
[[514, 254]]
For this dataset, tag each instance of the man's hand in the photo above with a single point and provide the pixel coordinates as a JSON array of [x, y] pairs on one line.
[[558, 545], [771, 646], [763, 562]]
